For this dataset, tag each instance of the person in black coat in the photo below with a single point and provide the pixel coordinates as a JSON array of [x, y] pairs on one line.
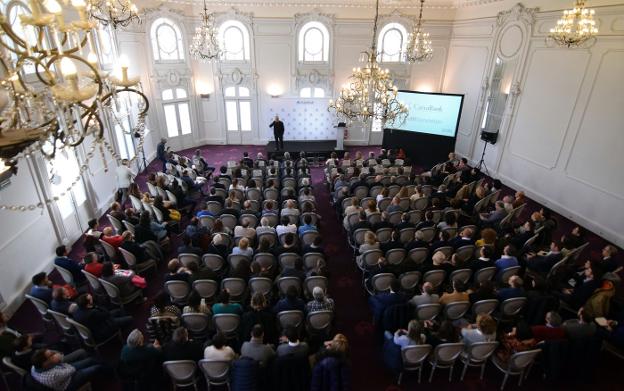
[[188, 248], [134, 248], [278, 132], [405, 222], [259, 314], [101, 322], [180, 348], [217, 247], [543, 263]]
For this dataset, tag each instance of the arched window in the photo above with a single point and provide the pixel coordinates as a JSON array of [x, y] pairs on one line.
[[237, 109], [391, 42], [166, 41], [313, 42], [309, 92], [235, 38], [177, 113]]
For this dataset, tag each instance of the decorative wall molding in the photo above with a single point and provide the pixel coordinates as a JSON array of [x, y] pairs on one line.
[[517, 13]]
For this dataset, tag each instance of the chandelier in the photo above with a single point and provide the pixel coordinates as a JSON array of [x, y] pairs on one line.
[[370, 91], [113, 12], [576, 28], [205, 44], [53, 94], [418, 47]]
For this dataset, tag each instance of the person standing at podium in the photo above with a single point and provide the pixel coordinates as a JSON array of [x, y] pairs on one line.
[[278, 132]]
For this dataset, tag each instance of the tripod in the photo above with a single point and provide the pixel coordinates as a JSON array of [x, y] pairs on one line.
[[482, 162]]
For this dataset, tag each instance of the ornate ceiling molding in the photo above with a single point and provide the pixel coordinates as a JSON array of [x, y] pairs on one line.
[[517, 13]]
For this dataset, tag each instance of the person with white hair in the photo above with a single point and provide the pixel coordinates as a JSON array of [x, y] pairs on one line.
[[218, 246], [264, 227], [320, 301], [290, 209], [136, 354]]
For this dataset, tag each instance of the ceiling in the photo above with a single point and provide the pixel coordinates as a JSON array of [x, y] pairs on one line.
[[440, 4]]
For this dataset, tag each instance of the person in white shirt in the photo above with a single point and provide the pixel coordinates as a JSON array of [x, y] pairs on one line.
[[219, 351], [265, 227], [427, 297], [285, 227], [244, 230], [125, 177]]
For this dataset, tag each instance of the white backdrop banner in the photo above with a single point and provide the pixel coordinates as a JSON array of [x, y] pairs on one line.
[[304, 119]]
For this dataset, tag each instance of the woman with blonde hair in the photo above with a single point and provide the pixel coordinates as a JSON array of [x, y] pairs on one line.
[[403, 193], [243, 248], [414, 335]]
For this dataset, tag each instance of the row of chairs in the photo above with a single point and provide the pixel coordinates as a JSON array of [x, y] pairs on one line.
[[266, 260]]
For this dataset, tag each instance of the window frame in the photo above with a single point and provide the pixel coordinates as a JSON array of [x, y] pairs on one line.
[[155, 44], [381, 43], [246, 40], [176, 102], [325, 50], [238, 98]]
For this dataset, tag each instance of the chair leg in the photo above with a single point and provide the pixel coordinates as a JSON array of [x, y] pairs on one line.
[[420, 372], [464, 371], [483, 370], [504, 380], [451, 372], [433, 367], [400, 377], [520, 378]]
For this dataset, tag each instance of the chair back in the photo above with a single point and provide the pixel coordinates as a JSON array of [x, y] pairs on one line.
[[383, 204], [464, 253], [284, 283], [229, 221], [456, 310], [207, 221], [261, 285], [428, 311], [115, 223], [216, 372], [446, 250], [213, 261], [381, 281], [177, 290], [158, 214], [93, 281], [447, 353], [451, 231], [254, 194], [111, 289], [313, 281], [409, 280], [129, 226], [197, 324], [235, 259], [128, 257], [110, 250], [6, 361], [428, 233], [309, 236], [172, 198], [266, 260], [84, 332], [510, 271], [41, 305], [415, 355], [310, 260], [188, 258], [415, 216], [484, 306], [384, 235], [270, 236], [462, 275], [371, 257], [418, 255], [292, 318], [395, 256], [513, 306], [226, 323], [435, 277], [207, 289], [67, 276], [521, 360], [136, 203], [236, 287], [214, 207], [360, 192], [374, 218], [250, 219], [359, 234], [481, 351], [485, 274], [320, 320], [181, 372], [420, 203], [61, 321]]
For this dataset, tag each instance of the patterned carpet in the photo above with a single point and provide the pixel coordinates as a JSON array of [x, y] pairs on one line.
[[353, 317]]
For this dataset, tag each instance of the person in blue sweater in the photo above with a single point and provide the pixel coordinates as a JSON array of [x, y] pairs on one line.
[[515, 289]]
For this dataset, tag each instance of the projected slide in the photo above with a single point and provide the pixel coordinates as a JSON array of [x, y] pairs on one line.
[[431, 113]]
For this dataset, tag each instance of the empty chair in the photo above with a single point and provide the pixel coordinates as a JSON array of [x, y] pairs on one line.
[[428, 311], [139, 268], [115, 295], [290, 319], [197, 324], [444, 356], [485, 274], [512, 307], [284, 283], [136, 203], [517, 365], [462, 275], [319, 321], [217, 373], [213, 262], [484, 306], [413, 359], [435, 277], [418, 255], [476, 355], [207, 289], [187, 258], [395, 256], [409, 280], [227, 324], [235, 286], [381, 282], [110, 251], [261, 285], [456, 310], [311, 260], [129, 226], [374, 218], [67, 276], [358, 235], [178, 291], [182, 373], [96, 287]]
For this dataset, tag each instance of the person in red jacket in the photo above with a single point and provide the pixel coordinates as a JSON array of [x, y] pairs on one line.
[[113, 240]]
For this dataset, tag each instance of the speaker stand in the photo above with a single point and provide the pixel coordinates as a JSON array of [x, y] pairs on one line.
[[482, 164]]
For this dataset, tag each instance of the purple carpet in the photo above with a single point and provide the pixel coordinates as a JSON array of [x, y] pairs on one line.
[[353, 317]]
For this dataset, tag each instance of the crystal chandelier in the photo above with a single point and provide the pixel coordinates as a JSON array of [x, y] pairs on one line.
[[576, 28], [370, 91], [53, 94], [113, 12], [205, 45], [418, 47]]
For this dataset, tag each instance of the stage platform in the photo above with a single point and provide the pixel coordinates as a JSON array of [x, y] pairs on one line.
[[314, 149]]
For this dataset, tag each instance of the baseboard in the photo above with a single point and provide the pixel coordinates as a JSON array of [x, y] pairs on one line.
[[363, 143]]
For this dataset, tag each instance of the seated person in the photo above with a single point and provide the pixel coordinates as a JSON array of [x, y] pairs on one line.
[[245, 231], [414, 335], [50, 370], [60, 301], [180, 348], [542, 263], [552, 330], [483, 331], [428, 296], [230, 209], [212, 197], [102, 323], [290, 209], [219, 351], [93, 264], [320, 301], [42, 287], [291, 302], [218, 247], [140, 359], [163, 307], [485, 291], [582, 327], [362, 223], [122, 282], [515, 289], [256, 349], [291, 345], [139, 252], [507, 260], [269, 208], [290, 246], [65, 262], [383, 300], [177, 272], [459, 294], [243, 248], [418, 242], [108, 235], [464, 238], [285, 227], [307, 225], [265, 227], [188, 248], [224, 306], [484, 260]]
